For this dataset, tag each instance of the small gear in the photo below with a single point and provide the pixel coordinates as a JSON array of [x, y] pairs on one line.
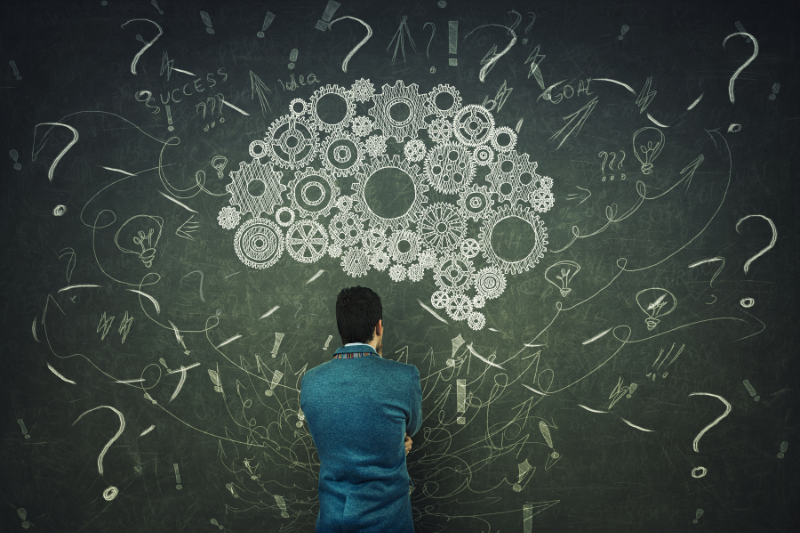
[[469, 248], [459, 307], [416, 272], [449, 168], [546, 182], [313, 192], [513, 177], [427, 259], [380, 260], [342, 154], [441, 227], [257, 149], [414, 150], [440, 299], [248, 202], [279, 219], [476, 320], [345, 229], [433, 107], [344, 203], [355, 262], [509, 145], [539, 233], [397, 273], [374, 239], [490, 283], [376, 145], [228, 217], [473, 125], [399, 241], [397, 96], [454, 274], [298, 106], [362, 90], [335, 251], [258, 243], [478, 301], [542, 200], [306, 241], [322, 119], [292, 141], [362, 126], [440, 130], [483, 155], [475, 201]]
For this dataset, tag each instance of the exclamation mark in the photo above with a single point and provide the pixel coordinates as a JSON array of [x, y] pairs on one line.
[[300, 418], [527, 518], [697, 516], [15, 69], [207, 22], [214, 521], [292, 58], [453, 36], [24, 429], [177, 476], [751, 390], [282, 505], [524, 468], [15, 155], [330, 9], [327, 343], [155, 5], [775, 88], [783, 448], [461, 399], [546, 434], [457, 342], [169, 120], [278, 339], [267, 21], [276, 377]]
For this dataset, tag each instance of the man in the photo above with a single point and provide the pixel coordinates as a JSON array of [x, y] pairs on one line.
[[361, 410]]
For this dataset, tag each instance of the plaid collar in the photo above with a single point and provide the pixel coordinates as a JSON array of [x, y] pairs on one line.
[[353, 351]]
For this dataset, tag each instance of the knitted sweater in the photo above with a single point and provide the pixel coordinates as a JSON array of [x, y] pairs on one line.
[[358, 412]]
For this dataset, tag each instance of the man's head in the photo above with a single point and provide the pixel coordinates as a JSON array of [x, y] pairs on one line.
[[358, 315]]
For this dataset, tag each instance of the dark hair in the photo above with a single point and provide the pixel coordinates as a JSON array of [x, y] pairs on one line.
[[358, 310]]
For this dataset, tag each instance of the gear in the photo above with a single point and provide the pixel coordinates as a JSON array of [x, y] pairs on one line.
[[459, 307], [362, 90], [362, 126], [539, 232], [280, 221], [427, 259], [490, 283], [330, 91], [258, 243], [397, 273], [512, 139], [344, 203], [513, 177], [313, 192], [542, 200], [473, 125], [433, 108], [469, 248], [380, 260], [240, 188], [414, 150], [396, 96], [478, 301], [298, 106], [410, 170], [440, 299], [345, 229], [374, 239], [476, 201], [415, 272], [228, 217], [335, 251], [306, 241], [396, 243], [376, 145], [454, 274], [441, 227], [355, 262], [476, 320], [483, 155], [342, 154], [440, 130], [292, 141], [449, 168], [258, 149]]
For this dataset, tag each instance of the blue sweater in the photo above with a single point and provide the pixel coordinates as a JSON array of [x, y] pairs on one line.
[[358, 411]]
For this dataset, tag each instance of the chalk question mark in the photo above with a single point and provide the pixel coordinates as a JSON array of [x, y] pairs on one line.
[[359, 45], [701, 471], [765, 249], [111, 492], [744, 65], [532, 14]]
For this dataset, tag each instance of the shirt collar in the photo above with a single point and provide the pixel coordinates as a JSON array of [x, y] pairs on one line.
[[356, 347]]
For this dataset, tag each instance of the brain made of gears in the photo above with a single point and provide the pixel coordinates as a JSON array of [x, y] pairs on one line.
[[309, 192]]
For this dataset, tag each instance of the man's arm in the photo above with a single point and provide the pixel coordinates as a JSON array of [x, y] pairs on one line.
[[415, 408]]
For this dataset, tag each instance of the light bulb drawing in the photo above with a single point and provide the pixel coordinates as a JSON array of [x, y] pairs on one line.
[[646, 153], [656, 301], [219, 163], [568, 270], [147, 233]]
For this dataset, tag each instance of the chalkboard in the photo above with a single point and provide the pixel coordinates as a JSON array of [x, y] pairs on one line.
[[579, 216]]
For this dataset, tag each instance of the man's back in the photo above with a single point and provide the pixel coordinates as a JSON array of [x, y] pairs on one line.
[[358, 411]]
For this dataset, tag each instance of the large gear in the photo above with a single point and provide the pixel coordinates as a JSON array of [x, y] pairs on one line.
[[355, 262], [350, 108], [306, 241], [342, 154], [454, 274], [399, 95], [345, 229], [475, 201], [473, 125], [258, 243], [292, 141], [399, 240], [420, 188], [449, 168], [537, 251], [513, 177], [459, 306], [441, 227], [313, 192], [490, 283], [240, 188], [440, 130], [433, 108]]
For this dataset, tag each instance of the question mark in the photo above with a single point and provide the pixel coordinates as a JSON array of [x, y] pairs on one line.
[[146, 45], [768, 247], [717, 273], [744, 65], [525, 40], [359, 45], [111, 492], [428, 50], [516, 22], [701, 471]]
